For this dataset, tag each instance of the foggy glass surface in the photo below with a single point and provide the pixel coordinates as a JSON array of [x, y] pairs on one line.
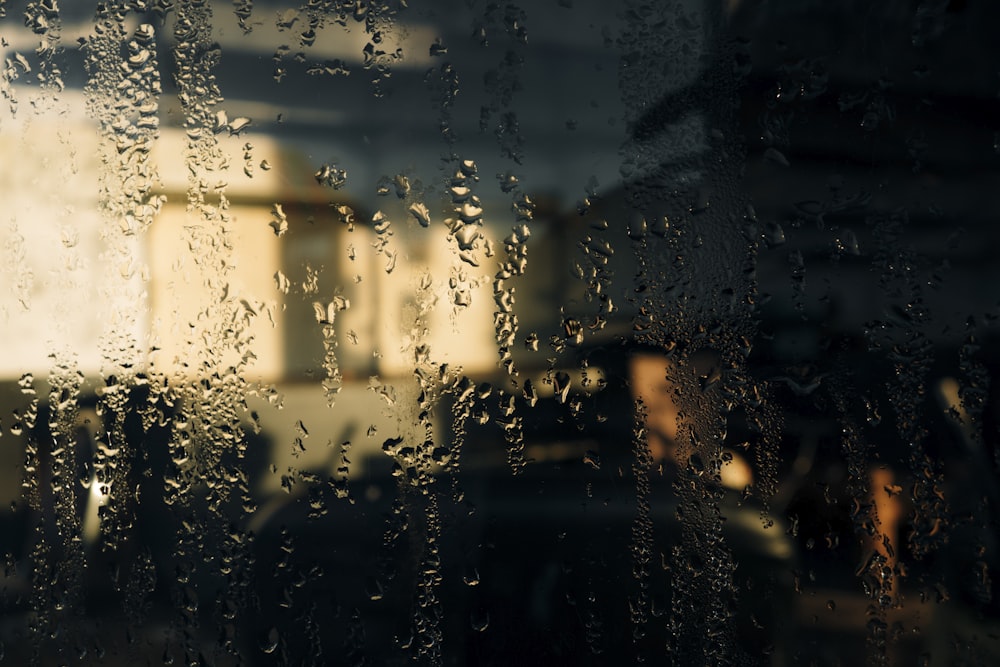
[[536, 333]]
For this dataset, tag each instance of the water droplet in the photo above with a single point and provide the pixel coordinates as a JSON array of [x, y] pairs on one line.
[[402, 185], [561, 384], [287, 18], [471, 578], [346, 214], [221, 121], [279, 222], [871, 413], [144, 34], [774, 235], [637, 227], [374, 589], [776, 156], [331, 176], [441, 456], [848, 243], [524, 208], [421, 213], [573, 330], [269, 644], [508, 181], [437, 48], [660, 226], [480, 620], [138, 56], [470, 211], [391, 446], [380, 223], [23, 62], [238, 125], [467, 235], [325, 314]]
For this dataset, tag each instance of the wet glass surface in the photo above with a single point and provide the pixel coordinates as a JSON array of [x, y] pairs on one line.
[[565, 332]]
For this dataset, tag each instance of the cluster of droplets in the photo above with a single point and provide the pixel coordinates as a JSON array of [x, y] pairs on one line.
[[19, 276], [334, 177], [975, 388], [418, 461], [243, 10], [596, 274], [466, 227], [113, 457], [42, 18], [878, 577], [702, 562], [658, 33], [379, 19], [642, 528], [52, 463], [745, 392], [461, 411], [509, 20], [45, 590], [293, 580], [24, 422], [326, 314], [308, 22], [123, 95], [418, 510], [903, 333], [466, 230], [879, 570], [695, 295], [382, 244], [14, 67], [505, 322], [443, 83], [515, 263], [428, 611], [797, 275], [305, 22], [207, 442]]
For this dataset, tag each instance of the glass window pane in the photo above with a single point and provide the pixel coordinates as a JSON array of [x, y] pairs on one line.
[[566, 332]]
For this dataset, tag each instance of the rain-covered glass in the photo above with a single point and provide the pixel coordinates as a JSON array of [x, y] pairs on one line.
[[474, 332]]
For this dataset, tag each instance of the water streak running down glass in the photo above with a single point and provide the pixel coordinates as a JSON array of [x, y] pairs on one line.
[[536, 333]]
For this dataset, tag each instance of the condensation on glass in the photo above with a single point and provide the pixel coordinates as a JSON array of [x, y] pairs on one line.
[[562, 332]]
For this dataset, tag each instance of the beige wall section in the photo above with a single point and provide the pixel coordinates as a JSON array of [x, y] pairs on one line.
[[252, 252], [177, 297], [465, 336], [58, 294], [419, 285]]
